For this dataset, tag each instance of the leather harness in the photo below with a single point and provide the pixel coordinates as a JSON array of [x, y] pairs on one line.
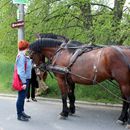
[[65, 70]]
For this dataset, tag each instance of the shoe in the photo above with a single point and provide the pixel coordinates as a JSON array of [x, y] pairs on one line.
[[25, 115], [34, 99], [28, 100], [22, 118]]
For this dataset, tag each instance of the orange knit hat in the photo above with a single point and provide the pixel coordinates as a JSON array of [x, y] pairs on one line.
[[22, 45]]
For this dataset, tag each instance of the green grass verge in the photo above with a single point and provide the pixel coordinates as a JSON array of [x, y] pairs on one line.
[[6, 72], [93, 93]]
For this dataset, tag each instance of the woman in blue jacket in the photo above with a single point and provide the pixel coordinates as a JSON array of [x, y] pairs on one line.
[[24, 71]]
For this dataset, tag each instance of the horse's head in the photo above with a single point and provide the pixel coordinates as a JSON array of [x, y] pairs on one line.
[[36, 57], [42, 48], [35, 53]]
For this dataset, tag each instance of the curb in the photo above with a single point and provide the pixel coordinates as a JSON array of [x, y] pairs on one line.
[[59, 100]]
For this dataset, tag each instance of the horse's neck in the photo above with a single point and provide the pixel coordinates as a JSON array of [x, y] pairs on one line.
[[49, 52]]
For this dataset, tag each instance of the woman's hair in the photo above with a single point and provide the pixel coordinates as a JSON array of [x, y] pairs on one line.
[[22, 45]]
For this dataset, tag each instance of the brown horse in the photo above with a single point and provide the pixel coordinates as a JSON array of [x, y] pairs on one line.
[[84, 66]]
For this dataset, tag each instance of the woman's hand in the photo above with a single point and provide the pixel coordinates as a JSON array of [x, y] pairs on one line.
[[24, 86]]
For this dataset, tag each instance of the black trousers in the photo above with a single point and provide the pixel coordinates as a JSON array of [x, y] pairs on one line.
[[21, 99], [31, 90]]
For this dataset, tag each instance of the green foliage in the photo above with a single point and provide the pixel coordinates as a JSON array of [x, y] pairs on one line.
[[88, 92], [70, 18], [6, 73], [102, 28], [8, 38], [67, 18]]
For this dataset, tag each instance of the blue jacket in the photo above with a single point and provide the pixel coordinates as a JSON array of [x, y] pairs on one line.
[[23, 72]]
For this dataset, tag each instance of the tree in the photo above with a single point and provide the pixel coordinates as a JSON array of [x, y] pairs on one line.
[[8, 38], [83, 20]]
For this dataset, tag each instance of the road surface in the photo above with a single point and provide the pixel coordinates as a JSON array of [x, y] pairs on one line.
[[45, 116]]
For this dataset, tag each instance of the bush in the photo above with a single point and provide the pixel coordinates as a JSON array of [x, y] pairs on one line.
[[98, 93], [6, 73], [83, 92]]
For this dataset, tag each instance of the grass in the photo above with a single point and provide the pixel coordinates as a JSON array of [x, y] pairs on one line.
[[6, 72], [93, 93]]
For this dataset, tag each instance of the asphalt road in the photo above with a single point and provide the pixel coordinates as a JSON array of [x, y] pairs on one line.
[[45, 116]]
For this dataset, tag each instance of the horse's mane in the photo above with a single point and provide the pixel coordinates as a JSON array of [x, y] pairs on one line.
[[44, 43], [52, 35]]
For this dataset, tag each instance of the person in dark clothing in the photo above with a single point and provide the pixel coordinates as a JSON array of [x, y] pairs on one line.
[[32, 86]]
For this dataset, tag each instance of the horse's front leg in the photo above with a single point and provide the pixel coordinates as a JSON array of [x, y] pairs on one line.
[[65, 110], [64, 93]]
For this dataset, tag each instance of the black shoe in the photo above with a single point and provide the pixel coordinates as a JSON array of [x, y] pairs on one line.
[[25, 115], [28, 100], [22, 118], [34, 99]]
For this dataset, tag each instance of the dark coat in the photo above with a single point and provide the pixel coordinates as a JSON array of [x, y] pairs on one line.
[[34, 81]]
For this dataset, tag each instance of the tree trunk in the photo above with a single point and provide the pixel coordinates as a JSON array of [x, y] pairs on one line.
[[86, 14], [117, 16], [118, 10]]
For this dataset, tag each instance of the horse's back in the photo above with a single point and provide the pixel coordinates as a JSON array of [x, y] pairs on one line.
[[101, 63]]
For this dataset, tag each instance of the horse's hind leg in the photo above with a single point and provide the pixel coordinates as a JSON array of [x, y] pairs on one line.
[[126, 105], [71, 98], [124, 114], [128, 122]]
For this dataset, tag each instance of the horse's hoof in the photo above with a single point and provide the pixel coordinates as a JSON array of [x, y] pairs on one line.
[[72, 110], [128, 126], [120, 122], [71, 114], [64, 114], [63, 117]]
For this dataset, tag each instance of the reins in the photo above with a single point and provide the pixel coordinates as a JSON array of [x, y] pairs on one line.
[[100, 86]]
